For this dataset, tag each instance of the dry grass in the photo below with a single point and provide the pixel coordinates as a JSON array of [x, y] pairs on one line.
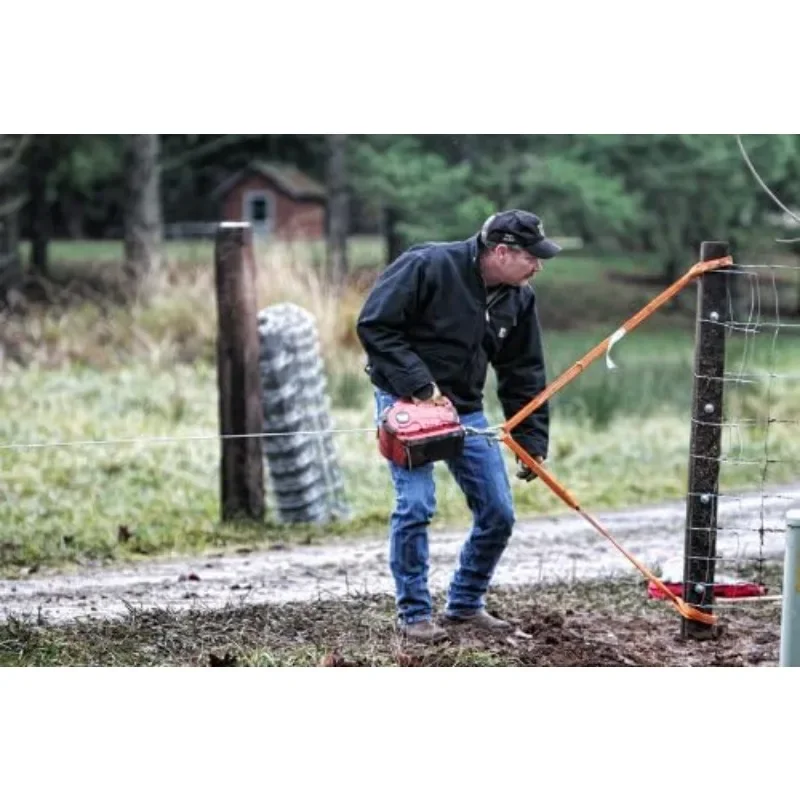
[[90, 317]]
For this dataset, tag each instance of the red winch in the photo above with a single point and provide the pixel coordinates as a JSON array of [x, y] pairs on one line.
[[411, 434]]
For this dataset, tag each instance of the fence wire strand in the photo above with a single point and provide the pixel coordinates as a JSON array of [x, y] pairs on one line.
[[759, 392], [757, 384], [169, 439]]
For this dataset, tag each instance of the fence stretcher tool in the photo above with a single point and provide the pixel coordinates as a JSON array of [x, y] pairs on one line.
[[411, 434], [697, 270]]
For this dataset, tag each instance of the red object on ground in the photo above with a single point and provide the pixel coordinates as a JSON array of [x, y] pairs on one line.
[[738, 589]]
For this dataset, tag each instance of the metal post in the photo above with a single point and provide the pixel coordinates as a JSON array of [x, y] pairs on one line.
[[700, 545], [790, 616]]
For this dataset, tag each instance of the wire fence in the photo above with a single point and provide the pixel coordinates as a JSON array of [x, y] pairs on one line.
[[759, 450], [757, 464]]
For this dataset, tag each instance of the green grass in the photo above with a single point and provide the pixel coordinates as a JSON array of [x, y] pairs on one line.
[[69, 504], [573, 266], [363, 251], [654, 372], [576, 266], [85, 370]]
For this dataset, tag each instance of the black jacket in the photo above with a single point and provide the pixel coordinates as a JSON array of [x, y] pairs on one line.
[[427, 320]]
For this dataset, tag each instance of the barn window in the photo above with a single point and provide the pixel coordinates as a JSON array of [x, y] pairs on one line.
[[258, 209]]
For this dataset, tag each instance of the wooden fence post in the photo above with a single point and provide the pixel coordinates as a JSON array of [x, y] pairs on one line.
[[700, 546], [238, 377]]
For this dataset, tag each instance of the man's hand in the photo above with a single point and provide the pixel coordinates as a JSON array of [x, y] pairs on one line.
[[524, 472], [430, 395]]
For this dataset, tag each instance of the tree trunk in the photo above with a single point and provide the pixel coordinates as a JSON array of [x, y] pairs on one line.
[[143, 225], [338, 206], [10, 267], [394, 241], [40, 164], [671, 271], [72, 209], [10, 202]]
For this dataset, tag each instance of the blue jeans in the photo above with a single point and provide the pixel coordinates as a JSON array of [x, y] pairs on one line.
[[481, 474]]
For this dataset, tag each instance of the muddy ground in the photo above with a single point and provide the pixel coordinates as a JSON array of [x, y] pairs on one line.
[[573, 599], [562, 548], [590, 624]]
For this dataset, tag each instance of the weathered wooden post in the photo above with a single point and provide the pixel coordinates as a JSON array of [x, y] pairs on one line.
[[700, 546], [238, 378]]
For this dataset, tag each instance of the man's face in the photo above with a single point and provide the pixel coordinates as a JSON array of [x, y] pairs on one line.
[[510, 265]]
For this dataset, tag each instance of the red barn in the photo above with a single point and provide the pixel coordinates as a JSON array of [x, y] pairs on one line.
[[278, 200]]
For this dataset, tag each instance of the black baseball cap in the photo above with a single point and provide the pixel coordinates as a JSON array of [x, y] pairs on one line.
[[519, 228]]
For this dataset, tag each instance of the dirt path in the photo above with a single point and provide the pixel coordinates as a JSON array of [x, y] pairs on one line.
[[543, 549]]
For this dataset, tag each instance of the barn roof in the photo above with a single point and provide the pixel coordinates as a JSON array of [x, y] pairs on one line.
[[287, 178]]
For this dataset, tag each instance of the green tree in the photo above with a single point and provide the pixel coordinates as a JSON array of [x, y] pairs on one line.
[[429, 198], [444, 187]]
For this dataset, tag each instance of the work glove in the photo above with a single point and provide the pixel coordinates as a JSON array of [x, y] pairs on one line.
[[524, 472]]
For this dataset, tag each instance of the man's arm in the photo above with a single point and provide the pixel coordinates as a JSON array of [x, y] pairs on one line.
[[382, 324], [521, 375]]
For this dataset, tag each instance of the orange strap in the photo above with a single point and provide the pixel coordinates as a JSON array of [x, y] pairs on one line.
[[595, 353], [684, 609]]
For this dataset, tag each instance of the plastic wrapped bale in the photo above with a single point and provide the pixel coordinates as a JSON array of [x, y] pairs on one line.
[[302, 464]]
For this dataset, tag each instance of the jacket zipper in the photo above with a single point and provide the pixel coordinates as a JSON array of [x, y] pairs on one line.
[[502, 293]]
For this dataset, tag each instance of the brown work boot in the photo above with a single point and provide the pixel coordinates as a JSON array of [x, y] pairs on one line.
[[479, 619], [423, 631]]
